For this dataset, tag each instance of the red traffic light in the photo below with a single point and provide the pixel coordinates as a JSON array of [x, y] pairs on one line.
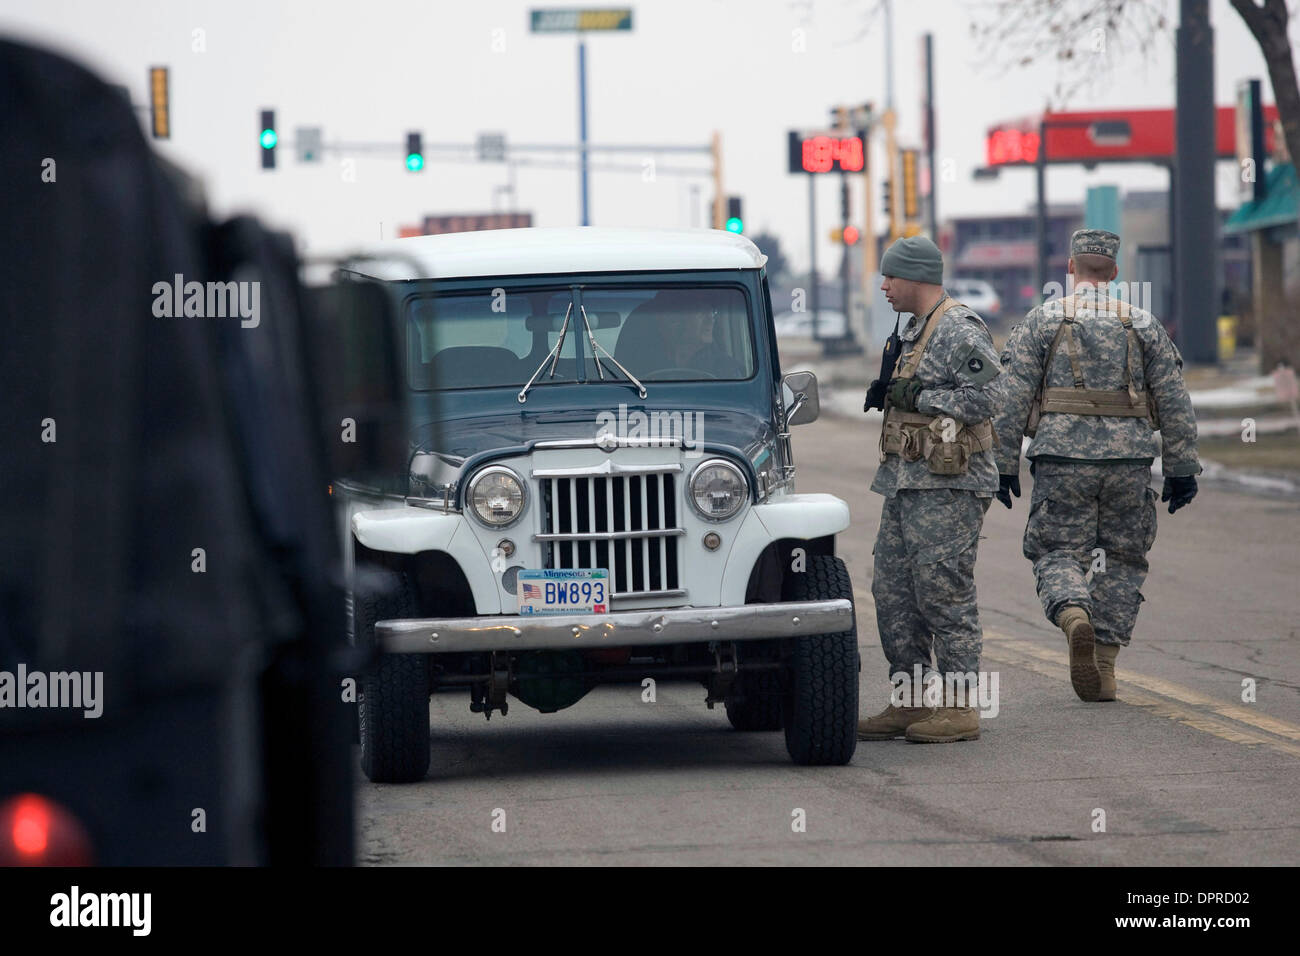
[[851, 235]]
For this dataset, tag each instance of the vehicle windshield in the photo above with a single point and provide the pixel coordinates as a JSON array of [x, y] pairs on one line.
[[501, 337]]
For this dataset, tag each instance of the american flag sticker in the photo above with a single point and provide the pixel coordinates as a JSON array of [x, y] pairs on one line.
[[532, 591]]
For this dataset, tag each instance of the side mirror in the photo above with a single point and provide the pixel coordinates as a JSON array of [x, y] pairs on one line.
[[799, 394], [355, 354]]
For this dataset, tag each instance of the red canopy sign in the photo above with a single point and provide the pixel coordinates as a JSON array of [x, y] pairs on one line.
[[1090, 136]]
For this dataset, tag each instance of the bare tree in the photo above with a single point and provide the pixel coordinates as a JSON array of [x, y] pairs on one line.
[[1018, 33], [1267, 22], [1073, 33]]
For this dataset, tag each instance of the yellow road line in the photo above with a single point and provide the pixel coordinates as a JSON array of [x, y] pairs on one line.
[[1165, 688], [1160, 697]]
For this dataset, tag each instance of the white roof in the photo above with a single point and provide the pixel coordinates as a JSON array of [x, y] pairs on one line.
[[508, 252]]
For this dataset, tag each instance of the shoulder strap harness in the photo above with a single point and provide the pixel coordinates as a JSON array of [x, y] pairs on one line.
[[1125, 402], [898, 431]]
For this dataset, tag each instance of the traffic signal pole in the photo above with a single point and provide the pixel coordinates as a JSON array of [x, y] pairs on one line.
[[844, 262], [1196, 294], [869, 266], [812, 253], [719, 197]]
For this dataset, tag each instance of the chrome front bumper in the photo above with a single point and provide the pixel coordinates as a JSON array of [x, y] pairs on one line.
[[685, 625]]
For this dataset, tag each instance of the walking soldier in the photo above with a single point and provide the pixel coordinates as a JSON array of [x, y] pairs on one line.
[[1091, 379]]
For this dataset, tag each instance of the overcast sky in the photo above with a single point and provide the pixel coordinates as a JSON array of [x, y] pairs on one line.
[[370, 71]]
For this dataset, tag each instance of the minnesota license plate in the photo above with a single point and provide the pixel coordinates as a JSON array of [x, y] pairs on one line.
[[564, 591]]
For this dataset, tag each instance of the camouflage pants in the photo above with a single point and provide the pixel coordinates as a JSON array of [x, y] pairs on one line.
[[1090, 528], [924, 579]]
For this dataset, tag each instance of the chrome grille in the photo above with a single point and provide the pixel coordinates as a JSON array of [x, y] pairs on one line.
[[624, 522]]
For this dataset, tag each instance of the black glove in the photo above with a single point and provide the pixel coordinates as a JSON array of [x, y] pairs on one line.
[[1178, 491], [1008, 485], [875, 396], [903, 393]]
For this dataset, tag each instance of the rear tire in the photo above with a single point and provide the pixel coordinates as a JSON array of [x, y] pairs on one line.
[[393, 697], [821, 700]]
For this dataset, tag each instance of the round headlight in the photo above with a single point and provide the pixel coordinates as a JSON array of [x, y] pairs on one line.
[[718, 489], [496, 496]]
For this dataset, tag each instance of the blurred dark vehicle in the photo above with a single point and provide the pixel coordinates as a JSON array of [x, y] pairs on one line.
[[223, 736]]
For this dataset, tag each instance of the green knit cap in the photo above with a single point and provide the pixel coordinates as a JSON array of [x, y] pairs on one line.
[[915, 257]]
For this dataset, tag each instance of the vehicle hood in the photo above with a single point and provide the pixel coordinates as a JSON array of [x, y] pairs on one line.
[[466, 437]]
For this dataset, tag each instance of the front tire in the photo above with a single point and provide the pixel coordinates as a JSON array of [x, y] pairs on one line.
[[821, 700], [393, 703]]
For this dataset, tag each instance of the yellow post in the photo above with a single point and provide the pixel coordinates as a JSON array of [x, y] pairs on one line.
[[868, 227], [895, 194]]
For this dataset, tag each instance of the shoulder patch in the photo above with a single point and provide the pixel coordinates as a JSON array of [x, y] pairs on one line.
[[971, 364], [1140, 320]]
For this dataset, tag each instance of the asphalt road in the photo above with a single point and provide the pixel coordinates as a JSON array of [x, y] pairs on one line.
[[1184, 770]]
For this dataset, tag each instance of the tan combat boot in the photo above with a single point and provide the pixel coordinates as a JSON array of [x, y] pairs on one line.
[[948, 725], [1106, 654], [1076, 624], [891, 722]]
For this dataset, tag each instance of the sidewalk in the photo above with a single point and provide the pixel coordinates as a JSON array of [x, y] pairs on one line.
[[1224, 395]]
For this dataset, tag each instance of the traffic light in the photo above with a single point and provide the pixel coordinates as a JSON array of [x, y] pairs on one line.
[[851, 235], [159, 107], [414, 152], [888, 197], [735, 219], [267, 138]]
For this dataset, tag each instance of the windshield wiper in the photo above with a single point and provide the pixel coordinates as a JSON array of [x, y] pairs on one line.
[[597, 348], [553, 355]]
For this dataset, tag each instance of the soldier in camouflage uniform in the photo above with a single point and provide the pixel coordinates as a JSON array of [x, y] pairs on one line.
[[1091, 378], [938, 477]]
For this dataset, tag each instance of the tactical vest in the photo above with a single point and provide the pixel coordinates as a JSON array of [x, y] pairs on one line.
[[1126, 402], [945, 443]]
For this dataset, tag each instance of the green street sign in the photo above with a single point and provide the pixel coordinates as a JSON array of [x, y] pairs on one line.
[[581, 21]]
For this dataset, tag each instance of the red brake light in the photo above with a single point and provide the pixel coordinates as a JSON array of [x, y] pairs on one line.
[[36, 831]]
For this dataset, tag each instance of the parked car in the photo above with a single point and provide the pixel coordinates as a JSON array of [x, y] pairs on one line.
[[831, 324], [600, 488], [979, 295]]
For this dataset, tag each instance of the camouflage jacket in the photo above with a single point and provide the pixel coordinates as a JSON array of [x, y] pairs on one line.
[[958, 370], [1102, 344]]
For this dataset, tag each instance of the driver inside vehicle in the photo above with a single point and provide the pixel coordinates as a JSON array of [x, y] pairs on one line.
[[686, 330]]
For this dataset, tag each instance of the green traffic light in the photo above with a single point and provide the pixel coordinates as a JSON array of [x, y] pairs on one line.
[[269, 139], [734, 224], [415, 162]]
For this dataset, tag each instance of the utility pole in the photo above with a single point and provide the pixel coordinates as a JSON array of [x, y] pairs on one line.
[[582, 130], [1196, 299], [888, 121]]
